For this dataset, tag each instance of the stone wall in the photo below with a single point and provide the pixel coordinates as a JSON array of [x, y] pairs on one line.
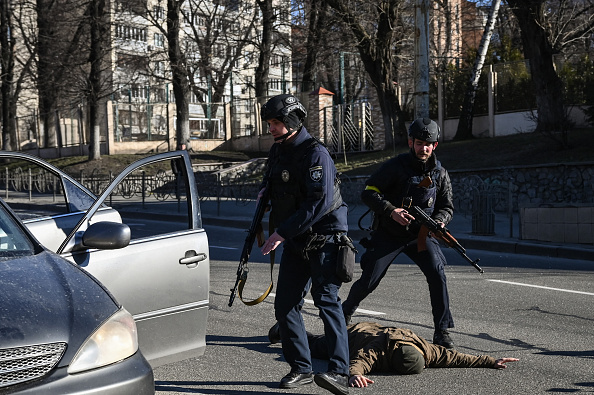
[[530, 185], [558, 224], [555, 202]]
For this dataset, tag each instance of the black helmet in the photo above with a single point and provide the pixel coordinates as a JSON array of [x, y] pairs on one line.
[[285, 108], [424, 129]]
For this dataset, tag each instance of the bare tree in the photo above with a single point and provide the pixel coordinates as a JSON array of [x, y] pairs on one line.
[[179, 73], [265, 49], [441, 37], [7, 74], [464, 131], [99, 31], [60, 34], [376, 30], [546, 28], [219, 35], [316, 29]]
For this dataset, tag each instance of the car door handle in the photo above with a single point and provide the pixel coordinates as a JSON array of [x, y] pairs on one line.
[[192, 257]]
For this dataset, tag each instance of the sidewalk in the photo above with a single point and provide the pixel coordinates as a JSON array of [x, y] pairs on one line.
[[236, 214]]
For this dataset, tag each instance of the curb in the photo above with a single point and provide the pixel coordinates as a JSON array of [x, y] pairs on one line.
[[472, 243], [505, 246]]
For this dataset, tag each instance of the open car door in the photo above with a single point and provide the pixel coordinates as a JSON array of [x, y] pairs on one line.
[[143, 239]]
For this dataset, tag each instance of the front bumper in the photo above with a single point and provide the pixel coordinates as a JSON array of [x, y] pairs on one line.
[[133, 375]]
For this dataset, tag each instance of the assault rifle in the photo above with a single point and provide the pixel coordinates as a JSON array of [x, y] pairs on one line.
[[441, 233], [255, 231]]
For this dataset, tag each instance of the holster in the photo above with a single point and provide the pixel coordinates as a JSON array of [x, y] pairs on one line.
[[345, 261]]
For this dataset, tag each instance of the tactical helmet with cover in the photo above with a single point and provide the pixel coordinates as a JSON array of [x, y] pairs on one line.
[[424, 129], [287, 109]]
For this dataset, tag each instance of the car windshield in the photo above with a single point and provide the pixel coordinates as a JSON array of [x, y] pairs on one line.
[[13, 241]]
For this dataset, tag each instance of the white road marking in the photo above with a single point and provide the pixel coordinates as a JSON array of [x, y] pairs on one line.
[[542, 287], [363, 311]]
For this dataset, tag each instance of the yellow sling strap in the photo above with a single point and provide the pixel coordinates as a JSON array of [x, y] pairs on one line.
[[260, 241]]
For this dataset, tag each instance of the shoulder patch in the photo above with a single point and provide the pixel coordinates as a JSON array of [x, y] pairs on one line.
[[316, 173]]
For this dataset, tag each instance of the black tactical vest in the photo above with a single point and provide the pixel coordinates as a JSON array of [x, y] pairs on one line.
[[287, 188]]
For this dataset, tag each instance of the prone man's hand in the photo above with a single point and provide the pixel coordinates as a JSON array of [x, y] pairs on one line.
[[500, 363], [359, 381]]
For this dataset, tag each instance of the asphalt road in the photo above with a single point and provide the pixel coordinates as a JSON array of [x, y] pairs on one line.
[[533, 308]]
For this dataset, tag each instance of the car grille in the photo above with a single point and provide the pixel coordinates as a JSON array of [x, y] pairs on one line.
[[21, 364]]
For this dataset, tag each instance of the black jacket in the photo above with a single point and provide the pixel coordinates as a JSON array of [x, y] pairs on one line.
[[398, 179], [304, 191]]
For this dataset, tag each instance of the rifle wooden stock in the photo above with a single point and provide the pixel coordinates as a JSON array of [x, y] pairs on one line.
[[441, 233]]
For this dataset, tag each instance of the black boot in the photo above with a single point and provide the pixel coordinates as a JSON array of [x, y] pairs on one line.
[[293, 380], [442, 338], [336, 383], [274, 334]]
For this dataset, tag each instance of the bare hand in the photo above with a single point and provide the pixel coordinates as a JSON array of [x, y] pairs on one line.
[[359, 381], [401, 216], [500, 363], [273, 241]]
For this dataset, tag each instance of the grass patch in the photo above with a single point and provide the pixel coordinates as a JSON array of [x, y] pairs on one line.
[[514, 150]]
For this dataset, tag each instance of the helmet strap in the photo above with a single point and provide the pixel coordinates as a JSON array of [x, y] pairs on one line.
[[285, 136]]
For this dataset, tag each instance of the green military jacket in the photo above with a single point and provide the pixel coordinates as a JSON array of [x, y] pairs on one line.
[[371, 347]]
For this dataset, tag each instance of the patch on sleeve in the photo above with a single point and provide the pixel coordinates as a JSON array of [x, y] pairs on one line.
[[316, 173]]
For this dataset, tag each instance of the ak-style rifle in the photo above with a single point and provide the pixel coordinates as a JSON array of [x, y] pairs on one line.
[[254, 232], [441, 233]]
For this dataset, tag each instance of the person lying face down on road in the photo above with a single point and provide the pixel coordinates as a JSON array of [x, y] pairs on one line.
[[375, 348]]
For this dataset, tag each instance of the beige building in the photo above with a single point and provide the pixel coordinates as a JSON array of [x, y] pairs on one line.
[[220, 42]]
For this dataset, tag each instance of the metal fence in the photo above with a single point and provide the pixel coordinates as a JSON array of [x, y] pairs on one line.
[[348, 128]]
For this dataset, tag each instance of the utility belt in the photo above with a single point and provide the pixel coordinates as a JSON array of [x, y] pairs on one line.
[[345, 258]]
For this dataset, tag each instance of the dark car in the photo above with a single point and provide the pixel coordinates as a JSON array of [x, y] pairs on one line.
[[61, 331]]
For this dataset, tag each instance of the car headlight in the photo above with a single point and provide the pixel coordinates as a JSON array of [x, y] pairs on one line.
[[116, 339]]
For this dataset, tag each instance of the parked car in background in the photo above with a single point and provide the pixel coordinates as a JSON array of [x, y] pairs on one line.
[[161, 277]]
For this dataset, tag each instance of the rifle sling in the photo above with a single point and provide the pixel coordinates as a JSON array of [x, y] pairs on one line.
[[243, 281]]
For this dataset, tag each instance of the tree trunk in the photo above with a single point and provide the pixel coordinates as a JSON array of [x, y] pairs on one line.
[[181, 85], [263, 69], [464, 131], [315, 27], [46, 72], [98, 30], [7, 78], [538, 50]]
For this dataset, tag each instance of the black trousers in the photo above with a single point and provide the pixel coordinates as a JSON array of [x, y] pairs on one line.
[[295, 277], [382, 251]]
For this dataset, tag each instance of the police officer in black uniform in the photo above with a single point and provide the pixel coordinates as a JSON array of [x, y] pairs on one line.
[[309, 215], [413, 178]]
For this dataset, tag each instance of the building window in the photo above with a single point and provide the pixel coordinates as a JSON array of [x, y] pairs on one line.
[[130, 33], [159, 40], [158, 13]]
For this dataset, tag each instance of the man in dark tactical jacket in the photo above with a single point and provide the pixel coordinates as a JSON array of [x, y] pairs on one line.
[[309, 217], [413, 178]]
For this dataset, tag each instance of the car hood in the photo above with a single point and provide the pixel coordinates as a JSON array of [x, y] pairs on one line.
[[46, 299]]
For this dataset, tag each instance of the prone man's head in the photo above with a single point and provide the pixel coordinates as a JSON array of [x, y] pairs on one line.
[[407, 359]]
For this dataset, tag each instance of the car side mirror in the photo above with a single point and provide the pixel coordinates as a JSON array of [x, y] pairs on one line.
[[106, 236]]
